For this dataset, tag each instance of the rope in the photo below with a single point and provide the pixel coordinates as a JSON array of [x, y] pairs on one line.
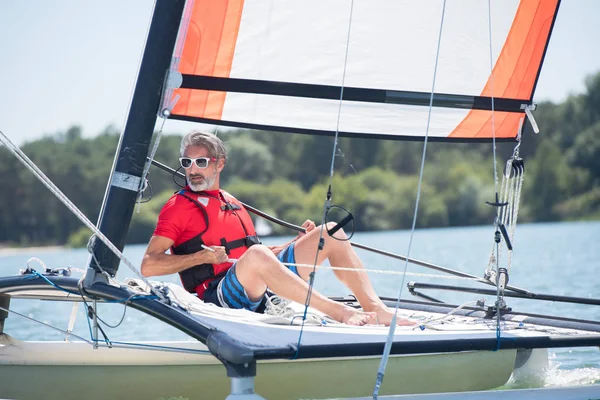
[[281, 307], [327, 204], [515, 213], [134, 296], [128, 345], [45, 324], [510, 193], [384, 272], [113, 344], [69, 204], [498, 294], [445, 316], [392, 329]]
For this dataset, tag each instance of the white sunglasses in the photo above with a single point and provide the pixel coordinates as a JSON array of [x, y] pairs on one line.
[[201, 162]]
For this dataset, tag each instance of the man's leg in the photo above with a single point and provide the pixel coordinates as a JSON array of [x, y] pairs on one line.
[[340, 253], [258, 269]]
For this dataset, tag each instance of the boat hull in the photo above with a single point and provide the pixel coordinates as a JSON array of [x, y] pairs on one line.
[[61, 370], [454, 354]]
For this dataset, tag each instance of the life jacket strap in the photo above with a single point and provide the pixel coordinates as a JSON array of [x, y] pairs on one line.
[[248, 241]]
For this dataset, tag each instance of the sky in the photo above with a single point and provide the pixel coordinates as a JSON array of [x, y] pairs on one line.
[[67, 62]]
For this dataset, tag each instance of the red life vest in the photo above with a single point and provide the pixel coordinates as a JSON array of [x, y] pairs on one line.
[[227, 224]]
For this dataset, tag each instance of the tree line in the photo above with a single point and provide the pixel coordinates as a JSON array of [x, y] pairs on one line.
[[288, 175]]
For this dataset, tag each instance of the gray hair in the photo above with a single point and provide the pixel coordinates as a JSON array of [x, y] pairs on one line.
[[215, 146]]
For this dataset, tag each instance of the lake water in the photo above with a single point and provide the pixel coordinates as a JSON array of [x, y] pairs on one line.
[[560, 259]]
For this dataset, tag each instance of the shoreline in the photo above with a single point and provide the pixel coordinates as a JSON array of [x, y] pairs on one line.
[[11, 251]]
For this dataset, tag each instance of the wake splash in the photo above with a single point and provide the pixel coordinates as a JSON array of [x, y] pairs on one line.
[[543, 372]]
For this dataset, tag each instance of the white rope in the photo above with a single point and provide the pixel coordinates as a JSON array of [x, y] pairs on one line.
[[65, 200], [492, 96], [66, 333], [427, 323], [510, 192], [337, 126], [514, 214], [113, 344], [384, 272], [282, 307], [498, 210], [327, 204], [376, 271], [505, 190], [505, 196], [498, 293], [508, 211], [392, 328]]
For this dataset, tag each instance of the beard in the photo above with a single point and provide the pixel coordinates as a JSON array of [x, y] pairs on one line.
[[204, 184]]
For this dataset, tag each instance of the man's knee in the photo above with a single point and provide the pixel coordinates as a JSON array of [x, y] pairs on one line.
[[259, 255], [340, 234]]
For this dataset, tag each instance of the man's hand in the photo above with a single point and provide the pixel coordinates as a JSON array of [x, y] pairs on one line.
[[214, 255], [309, 226]]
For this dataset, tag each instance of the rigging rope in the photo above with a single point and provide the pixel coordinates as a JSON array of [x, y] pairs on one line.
[[512, 183], [327, 204], [497, 222], [392, 329], [378, 271], [69, 204], [124, 345]]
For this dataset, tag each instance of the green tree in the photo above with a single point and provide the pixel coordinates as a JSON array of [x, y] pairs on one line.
[[248, 159], [546, 183], [585, 152]]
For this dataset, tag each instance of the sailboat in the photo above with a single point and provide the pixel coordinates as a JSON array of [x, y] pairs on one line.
[[353, 69]]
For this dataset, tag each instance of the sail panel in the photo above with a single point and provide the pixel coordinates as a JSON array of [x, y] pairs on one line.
[[388, 57], [320, 116], [517, 68], [209, 48]]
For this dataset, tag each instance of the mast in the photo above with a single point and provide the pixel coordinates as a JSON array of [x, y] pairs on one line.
[[128, 166]]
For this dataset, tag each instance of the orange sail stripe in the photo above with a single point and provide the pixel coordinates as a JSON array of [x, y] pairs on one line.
[[478, 124], [517, 66], [515, 71], [208, 50]]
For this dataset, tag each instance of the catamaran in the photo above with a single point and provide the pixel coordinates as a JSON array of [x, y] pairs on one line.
[[403, 70]]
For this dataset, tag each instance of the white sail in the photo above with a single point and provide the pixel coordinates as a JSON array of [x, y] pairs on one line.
[[280, 65]]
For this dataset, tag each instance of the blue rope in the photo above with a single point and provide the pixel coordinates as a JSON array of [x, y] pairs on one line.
[[136, 297], [506, 339], [306, 304], [132, 298], [497, 337], [53, 284]]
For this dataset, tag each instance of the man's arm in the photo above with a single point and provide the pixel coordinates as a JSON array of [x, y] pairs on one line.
[[156, 262]]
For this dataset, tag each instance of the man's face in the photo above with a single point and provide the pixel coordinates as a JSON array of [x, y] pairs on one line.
[[200, 179]]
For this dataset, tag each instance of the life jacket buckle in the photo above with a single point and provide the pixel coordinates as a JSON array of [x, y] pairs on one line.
[[251, 241], [230, 207]]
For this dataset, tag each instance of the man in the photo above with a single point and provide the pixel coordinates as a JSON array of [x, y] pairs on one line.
[[215, 250]]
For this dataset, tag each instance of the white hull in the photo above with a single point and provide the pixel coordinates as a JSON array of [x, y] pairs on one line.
[[426, 359], [63, 370]]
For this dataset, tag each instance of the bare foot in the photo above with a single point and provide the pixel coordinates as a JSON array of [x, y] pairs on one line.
[[384, 317], [357, 318]]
